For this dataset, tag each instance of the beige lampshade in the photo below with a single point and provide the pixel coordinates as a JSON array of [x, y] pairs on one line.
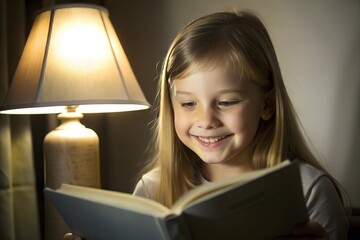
[[73, 57]]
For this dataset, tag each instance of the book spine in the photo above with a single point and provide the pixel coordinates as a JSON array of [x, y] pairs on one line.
[[177, 228], [160, 222]]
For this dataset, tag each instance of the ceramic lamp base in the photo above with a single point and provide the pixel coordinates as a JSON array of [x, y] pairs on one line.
[[71, 153]]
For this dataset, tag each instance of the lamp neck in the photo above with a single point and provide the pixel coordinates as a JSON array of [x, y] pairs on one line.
[[70, 119]]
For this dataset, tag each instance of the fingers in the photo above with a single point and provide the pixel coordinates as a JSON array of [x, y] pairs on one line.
[[311, 228], [307, 231], [71, 236]]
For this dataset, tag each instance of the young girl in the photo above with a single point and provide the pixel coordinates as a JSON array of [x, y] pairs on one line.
[[224, 110]]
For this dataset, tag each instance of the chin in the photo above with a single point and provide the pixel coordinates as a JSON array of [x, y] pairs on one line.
[[212, 161]]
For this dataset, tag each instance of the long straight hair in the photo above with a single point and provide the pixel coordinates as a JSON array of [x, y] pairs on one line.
[[240, 42]]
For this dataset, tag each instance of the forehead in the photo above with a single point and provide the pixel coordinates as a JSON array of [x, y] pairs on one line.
[[215, 78], [207, 62], [232, 65]]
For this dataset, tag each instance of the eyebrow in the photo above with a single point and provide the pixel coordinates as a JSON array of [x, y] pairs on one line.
[[176, 92], [221, 92]]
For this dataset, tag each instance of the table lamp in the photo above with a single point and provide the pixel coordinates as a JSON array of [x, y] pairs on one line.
[[73, 63]]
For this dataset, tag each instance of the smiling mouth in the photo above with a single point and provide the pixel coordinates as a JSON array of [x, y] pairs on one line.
[[210, 139]]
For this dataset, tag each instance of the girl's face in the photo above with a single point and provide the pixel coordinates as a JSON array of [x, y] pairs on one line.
[[217, 116]]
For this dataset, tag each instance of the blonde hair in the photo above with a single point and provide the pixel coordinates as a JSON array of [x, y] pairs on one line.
[[239, 41]]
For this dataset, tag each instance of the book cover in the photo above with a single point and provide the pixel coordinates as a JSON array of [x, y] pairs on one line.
[[261, 204]]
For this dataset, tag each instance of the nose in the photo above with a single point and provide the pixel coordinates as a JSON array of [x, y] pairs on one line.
[[207, 118]]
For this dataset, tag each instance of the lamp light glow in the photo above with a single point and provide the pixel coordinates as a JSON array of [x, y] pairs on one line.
[[73, 57], [84, 108]]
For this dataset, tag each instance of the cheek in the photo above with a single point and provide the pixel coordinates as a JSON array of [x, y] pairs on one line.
[[181, 124], [246, 121]]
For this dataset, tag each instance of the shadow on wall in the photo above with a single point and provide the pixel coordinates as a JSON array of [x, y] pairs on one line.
[[126, 135], [346, 140]]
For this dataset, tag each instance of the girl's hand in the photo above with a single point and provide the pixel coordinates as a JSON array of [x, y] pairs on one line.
[[71, 236], [307, 231]]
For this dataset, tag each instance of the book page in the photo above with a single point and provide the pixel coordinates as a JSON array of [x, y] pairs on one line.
[[206, 191], [117, 199], [103, 219], [273, 203]]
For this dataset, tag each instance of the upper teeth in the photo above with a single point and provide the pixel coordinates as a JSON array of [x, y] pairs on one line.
[[211, 140]]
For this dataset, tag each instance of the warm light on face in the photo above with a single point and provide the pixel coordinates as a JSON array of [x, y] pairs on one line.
[[217, 116]]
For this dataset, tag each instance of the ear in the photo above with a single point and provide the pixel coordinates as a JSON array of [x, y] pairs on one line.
[[269, 106]]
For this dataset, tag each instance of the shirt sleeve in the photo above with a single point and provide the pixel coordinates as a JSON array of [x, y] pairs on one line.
[[145, 187], [325, 207], [140, 189]]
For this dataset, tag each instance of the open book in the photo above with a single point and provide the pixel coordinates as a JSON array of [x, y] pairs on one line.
[[260, 204]]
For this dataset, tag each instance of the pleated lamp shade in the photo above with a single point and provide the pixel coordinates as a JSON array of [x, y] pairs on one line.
[[73, 57]]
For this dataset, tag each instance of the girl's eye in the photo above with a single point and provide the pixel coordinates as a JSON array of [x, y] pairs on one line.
[[188, 104], [228, 103]]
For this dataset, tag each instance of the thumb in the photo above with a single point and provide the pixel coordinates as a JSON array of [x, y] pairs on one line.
[[71, 236]]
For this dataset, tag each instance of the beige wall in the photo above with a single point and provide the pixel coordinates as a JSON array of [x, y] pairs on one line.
[[317, 45]]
